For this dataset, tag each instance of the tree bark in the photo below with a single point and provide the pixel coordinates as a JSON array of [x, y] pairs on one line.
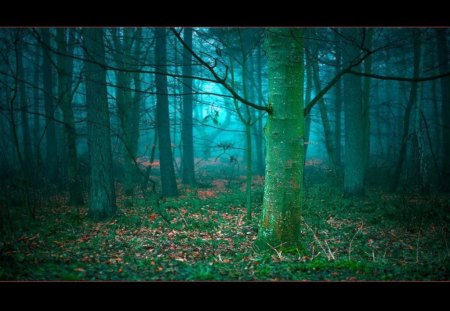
[[127, 107], [102, 198], [329, 145], [338, 108], [36, 118], [308, 92], [259, 147], [281, 215], [355, 122], [65, 70], [50, 134], [26, 138], [168, 181], [366, 99], [445, 107], [411, 102], [188, 141]]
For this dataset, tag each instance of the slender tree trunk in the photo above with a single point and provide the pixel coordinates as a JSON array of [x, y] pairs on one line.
[[188, 141], [445, 106], [308, 92], [412, 101], [36, 118], [436, 117], [102, 198], [421, 165], [281, 215], [51, 150], [26, 139], [126, 107], [168, 181], [338, 109], [248, 139], [355, 123], [366, 99], [329, 145], [65, 70], [259, 127], [135, 113]]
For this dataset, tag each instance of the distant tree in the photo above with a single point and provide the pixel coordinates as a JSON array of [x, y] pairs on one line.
[[444, 67], [102, 198], [259, 130], [407, 117], [338, 108], [23, 99], [168, 181], [127, 102], [355, 123], [187, 125], [50, 133], [328, 134], [66, 44], [244, 117], [37, 67]]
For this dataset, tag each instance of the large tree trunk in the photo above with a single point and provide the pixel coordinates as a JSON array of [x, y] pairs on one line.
[[168, 181], [102, 198], [355, 122], [65, 70], [188, 142], [412, 101], [445, 110], [281, 215], [51, 150]]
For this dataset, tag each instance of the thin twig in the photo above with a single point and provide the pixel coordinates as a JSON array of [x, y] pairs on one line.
[[351, 241], [318, 241], [276, 251], [329, 250], [417, 244]]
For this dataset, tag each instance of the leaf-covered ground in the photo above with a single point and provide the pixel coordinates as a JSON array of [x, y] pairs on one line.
[[204, 235]]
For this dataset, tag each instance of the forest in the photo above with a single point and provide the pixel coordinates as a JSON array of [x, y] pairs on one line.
[[224, 154]]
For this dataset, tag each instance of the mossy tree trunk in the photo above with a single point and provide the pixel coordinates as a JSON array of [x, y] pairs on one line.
[[281, 216], [102, 198]]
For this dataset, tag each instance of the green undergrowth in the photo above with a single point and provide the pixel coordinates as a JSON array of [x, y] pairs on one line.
[[204, 235]]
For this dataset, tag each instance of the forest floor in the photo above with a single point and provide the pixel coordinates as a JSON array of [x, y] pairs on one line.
[[380, 237]]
